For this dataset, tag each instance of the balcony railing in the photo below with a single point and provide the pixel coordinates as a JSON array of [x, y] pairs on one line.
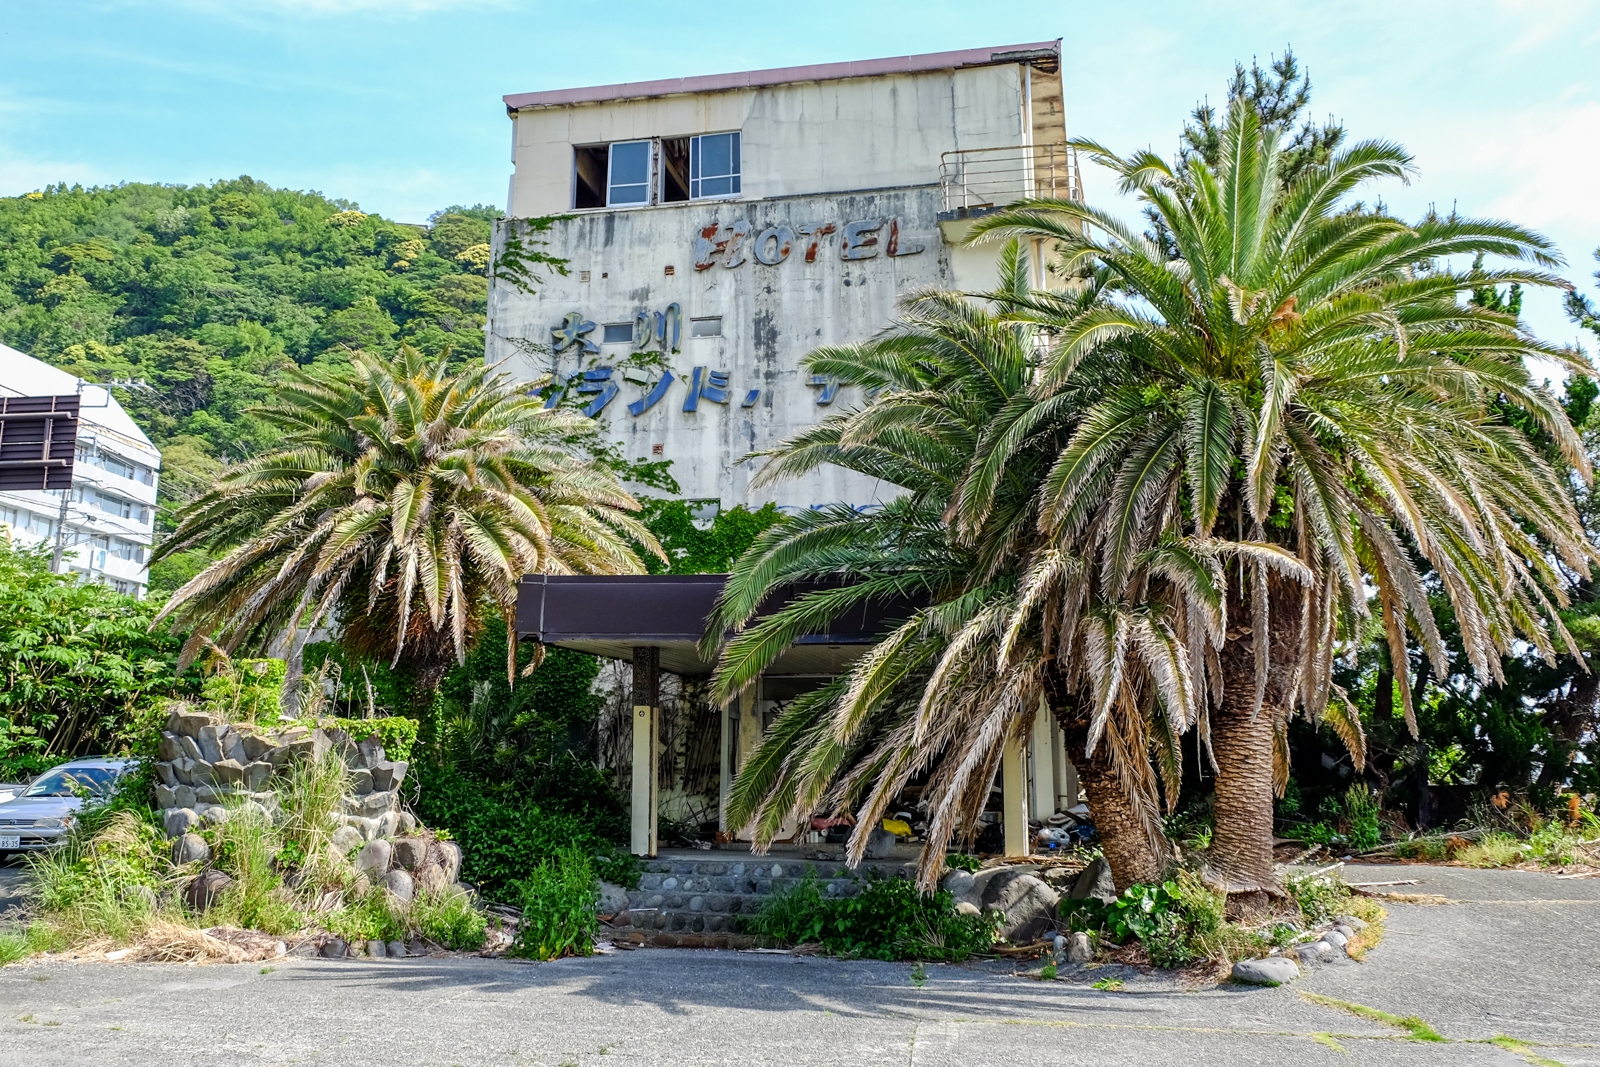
[[980, 178]]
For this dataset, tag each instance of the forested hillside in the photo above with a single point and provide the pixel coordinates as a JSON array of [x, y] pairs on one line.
[[206, 292]]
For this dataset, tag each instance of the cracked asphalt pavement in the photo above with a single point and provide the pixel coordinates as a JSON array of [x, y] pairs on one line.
[[1514, 957]]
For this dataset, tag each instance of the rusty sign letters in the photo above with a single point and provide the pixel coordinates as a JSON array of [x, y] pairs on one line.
[[731, 244]]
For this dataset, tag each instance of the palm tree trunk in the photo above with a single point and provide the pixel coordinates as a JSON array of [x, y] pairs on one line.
[[1239, 861], [1124, 840]]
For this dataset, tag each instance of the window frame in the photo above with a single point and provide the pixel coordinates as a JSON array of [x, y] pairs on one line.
[[736, 174], [647, 185], [655, 171]]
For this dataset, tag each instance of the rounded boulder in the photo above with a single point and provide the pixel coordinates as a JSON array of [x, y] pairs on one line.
[[374, 856]]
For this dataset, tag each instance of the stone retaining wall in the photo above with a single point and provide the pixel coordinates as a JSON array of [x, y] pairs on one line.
[[203, 763], [206, 765]]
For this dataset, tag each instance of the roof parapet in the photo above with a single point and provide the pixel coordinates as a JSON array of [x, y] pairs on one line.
[[1045, 53]]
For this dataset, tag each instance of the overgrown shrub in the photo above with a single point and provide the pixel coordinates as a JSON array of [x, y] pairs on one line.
[[1352, 822], [80, 671], [1179, 921], [483, 726], [559, 901], [244, 690], [889, 920], [504, 840], [1361, 817]]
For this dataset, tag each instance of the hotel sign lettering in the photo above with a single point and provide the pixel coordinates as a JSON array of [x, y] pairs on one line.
[[732, 245]]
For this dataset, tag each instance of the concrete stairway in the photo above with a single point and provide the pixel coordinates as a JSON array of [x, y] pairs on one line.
[[695, 899]]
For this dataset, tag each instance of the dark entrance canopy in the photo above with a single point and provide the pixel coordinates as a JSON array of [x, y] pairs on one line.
[[38, 440], [611, 615]]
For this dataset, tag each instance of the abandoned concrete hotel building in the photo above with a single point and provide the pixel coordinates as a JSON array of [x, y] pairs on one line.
[[714, 230]]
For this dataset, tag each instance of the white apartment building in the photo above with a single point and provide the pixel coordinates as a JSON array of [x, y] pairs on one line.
[[717, 229], [110, 511]]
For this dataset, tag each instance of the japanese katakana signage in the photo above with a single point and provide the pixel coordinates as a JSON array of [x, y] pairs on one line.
[[659, 330]]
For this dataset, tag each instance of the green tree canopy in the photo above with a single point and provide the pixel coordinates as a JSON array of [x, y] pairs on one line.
[[79, 666], [209, 292], [1306, 384]]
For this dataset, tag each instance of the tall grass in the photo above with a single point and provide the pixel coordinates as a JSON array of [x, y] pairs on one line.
[[104, 885], [246, 846], [449, 919], [311, 794], [114, 882]]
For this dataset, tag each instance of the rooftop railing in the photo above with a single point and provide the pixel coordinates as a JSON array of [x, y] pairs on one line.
[[979, 178]]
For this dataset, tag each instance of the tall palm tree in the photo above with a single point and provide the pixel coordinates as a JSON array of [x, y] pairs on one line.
[[1309, 414], [405, 500], [942, 693]]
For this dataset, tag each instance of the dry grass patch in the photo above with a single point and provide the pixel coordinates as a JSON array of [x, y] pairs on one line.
[[169, 942], [1425, 899]]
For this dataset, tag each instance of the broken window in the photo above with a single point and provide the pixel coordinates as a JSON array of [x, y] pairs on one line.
[[714, 165], [674, 169], [667, 170], [589, 175]]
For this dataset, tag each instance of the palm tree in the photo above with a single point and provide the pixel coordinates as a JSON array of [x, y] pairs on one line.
[[942, 693], [404, 501], [1309, 413]]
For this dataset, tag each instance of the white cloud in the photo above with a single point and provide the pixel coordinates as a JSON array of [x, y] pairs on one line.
[[1547, 155]]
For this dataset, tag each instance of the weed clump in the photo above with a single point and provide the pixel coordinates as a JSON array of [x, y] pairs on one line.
[[1178, 922], [890, 919], [1182, 921], [449, 919], [559, 902]]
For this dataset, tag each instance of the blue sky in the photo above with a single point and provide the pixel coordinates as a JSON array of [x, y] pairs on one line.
[[395, 104]]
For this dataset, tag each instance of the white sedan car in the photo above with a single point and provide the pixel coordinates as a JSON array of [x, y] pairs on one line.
[[45, 811]]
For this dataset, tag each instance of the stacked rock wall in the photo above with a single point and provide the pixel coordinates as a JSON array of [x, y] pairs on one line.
[[204, 764]]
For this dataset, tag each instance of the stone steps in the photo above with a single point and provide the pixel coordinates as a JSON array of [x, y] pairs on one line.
[[698, 903]]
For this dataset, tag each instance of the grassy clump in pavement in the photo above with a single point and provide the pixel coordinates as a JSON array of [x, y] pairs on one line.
[[18, 945], [1520, 1048], [1417, 1028]]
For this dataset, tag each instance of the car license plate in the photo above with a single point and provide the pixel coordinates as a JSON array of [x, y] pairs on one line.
[[15, 841]]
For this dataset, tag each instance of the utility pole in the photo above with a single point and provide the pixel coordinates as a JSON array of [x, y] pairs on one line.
[[61, 532]]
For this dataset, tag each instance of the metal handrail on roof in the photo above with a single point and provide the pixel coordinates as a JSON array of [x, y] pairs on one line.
[[982, 178]]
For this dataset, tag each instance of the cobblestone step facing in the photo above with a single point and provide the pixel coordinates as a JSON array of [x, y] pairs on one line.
[[683, 904]]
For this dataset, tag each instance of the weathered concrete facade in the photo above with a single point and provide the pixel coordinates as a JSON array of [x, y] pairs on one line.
[[682, 319]]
